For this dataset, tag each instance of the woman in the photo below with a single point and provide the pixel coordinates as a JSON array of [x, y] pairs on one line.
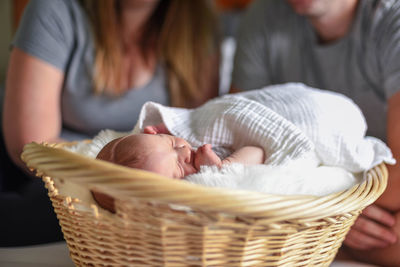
[[77, 67]]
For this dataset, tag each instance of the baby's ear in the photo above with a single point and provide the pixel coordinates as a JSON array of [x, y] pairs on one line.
[[150, 130]]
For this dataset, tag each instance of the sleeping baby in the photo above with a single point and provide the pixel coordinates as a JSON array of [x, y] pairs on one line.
[[158, 151]]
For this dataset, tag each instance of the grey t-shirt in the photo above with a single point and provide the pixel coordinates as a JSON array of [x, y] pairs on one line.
[[275, 45], [58, 32]]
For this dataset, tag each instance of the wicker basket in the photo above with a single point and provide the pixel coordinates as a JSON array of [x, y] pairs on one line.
[[165, 222]]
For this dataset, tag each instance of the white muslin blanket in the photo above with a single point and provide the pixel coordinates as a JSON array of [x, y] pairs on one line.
[[314, 140], [292, 122]]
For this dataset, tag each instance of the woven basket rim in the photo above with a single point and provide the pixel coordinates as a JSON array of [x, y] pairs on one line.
[[126, 183]]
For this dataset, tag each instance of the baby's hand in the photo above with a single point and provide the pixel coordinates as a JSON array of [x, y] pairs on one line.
[[156, 129], [206, 156]]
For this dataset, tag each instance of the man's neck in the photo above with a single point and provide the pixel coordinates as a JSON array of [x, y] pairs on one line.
[[335, 23]]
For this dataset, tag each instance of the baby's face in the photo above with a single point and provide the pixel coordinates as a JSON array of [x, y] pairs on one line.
[[168, 155]]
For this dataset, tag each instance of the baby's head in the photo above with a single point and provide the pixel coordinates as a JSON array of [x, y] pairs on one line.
[[165, 154]]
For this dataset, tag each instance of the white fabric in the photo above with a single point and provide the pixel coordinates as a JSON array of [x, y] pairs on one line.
[[277, 180], [292, 122]]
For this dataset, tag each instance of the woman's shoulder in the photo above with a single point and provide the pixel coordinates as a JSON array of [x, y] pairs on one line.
[[57, 15], [48, 29], [46, 7]]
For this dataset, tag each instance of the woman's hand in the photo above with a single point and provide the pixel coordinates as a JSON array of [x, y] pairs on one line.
[[372, 229]]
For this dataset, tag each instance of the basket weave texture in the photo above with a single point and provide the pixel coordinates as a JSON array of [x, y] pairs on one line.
[[165, 222]]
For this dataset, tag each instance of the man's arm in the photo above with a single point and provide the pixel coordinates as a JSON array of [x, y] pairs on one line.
[[374, 228], [390, 198]]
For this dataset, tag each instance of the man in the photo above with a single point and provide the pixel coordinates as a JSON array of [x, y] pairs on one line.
[[347, 46]]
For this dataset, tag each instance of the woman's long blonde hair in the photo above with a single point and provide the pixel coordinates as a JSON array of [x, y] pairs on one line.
[[182, 33]]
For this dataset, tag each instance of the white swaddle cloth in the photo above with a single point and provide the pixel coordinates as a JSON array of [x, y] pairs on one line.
[[314, 140], [292, 122]]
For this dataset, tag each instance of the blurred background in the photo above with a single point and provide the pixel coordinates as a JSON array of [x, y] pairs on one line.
[[6, 30], [11, 11]]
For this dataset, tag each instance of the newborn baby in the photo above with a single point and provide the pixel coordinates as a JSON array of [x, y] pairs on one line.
[[158, 151]]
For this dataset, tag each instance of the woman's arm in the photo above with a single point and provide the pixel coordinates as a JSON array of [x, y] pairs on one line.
[[31, 104]]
